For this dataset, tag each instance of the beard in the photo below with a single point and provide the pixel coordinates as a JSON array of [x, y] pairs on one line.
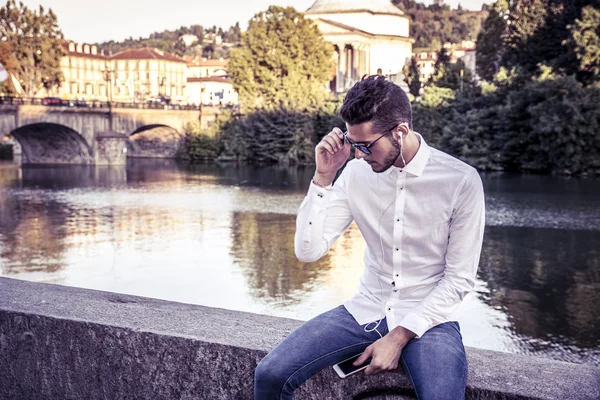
[[391, 157]]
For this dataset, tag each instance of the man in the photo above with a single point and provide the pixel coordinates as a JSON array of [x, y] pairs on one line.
[[421, 213]]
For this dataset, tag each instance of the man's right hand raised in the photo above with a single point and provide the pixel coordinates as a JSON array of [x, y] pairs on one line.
[[331, 154]]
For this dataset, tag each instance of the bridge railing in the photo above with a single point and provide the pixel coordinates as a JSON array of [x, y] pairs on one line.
[[58, 102]]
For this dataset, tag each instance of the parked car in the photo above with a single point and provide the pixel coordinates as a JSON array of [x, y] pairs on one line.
[[77, 103], [52, 101]]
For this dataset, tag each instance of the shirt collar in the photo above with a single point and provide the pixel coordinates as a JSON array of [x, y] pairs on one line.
[[417, 164]]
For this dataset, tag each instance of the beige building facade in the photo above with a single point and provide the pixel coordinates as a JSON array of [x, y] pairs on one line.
[[145, 73], [133, 75], [83, 68], [370, 37]]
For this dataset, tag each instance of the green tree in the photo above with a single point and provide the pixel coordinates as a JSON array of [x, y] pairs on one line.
[[526, 17], [412, 76], [10, 64], [537, 32], [490, 41], [37, 41], [283, 62], [585, 38]]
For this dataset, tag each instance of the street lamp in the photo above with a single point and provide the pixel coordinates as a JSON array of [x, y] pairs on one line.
[[200, 106], [108, 77], [161, 83]]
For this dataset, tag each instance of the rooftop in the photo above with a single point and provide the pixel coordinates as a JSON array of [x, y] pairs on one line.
[[372, 6], [146, 53]]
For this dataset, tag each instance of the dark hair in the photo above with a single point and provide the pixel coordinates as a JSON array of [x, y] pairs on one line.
[[378, 100]]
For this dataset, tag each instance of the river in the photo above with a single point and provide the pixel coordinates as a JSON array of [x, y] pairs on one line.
[[222, 236]]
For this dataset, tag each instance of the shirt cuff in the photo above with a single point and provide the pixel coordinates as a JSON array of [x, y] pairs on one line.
[[416, 324], [321, 192]]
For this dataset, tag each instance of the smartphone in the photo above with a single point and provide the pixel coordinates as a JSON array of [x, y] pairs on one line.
[[345, 368]]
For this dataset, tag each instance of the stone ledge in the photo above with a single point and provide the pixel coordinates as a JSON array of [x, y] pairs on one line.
[[72, 343]]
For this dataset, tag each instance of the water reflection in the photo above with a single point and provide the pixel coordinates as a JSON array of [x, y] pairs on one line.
[[223, 237], [547, 280]]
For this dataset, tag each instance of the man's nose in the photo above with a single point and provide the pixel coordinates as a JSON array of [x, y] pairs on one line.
[[359, 154]]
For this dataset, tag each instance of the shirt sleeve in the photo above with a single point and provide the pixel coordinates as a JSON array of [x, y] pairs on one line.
[[322, 217], [465, 239]]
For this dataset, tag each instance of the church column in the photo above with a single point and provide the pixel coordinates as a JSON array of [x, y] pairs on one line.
[[361, 61], [341, 72], [368, 60], [355, 61]]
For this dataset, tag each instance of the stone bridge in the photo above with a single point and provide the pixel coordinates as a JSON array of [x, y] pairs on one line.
[[83, 135]]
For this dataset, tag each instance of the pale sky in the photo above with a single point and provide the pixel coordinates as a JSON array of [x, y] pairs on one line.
[[97, 21]]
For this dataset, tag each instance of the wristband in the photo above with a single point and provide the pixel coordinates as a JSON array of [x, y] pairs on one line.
[[318, 184]]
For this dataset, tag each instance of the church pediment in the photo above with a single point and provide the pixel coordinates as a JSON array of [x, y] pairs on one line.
[[329, 27]]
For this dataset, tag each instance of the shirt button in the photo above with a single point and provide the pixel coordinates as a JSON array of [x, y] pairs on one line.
[[395, 290], [397, 249], [398, 220], [394, 283], [397, 275], [310, 223], [389, 309], [320, 195]]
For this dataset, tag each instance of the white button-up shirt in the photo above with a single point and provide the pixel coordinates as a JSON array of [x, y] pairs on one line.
[[423, 225]]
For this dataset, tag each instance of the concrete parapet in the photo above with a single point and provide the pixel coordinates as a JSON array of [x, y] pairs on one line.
[[59, 342]]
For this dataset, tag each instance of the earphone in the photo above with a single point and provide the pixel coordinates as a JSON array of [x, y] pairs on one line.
[[381, 240]]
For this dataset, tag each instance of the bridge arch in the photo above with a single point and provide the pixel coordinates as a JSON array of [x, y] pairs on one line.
[[155, 141], [50, 143]]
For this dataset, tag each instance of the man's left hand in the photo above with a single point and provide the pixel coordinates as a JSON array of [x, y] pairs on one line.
[[385, 352]]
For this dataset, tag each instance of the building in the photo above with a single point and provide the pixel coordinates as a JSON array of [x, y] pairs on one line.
[[136, 75], [211, 90], [369, 37], [83, 68], [209, 83], [145, 72], [426, 61], [201, 67], [188, 39], [465, 51]]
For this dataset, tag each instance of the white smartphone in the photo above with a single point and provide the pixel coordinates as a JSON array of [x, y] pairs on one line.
[[345, 368]]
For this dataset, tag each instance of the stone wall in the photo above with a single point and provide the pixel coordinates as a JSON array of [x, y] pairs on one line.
[[59, 342]]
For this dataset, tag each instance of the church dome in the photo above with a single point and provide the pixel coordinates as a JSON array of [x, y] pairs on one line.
[[335, 6]]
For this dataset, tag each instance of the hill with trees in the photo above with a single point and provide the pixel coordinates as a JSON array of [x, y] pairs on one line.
[[208, 45], [433, 25]]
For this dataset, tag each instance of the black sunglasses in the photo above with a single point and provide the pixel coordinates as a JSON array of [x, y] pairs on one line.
[[365, 148]]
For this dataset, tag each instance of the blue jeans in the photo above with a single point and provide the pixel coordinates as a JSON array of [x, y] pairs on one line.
[[436, 363]]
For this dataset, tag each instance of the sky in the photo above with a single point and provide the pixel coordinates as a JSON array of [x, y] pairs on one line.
[[85, 21]]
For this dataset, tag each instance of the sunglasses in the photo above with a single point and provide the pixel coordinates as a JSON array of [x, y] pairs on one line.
[[365, 148]]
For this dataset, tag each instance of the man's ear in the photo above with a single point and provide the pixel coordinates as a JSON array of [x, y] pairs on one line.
[[401, 130]]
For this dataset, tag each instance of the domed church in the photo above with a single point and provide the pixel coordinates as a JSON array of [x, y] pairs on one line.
[[370, 37]]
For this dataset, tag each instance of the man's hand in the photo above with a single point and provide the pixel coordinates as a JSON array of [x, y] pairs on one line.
[[386, 351], [330, 155]]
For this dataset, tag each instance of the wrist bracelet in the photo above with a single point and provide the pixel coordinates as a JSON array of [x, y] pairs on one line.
[[317, 183]]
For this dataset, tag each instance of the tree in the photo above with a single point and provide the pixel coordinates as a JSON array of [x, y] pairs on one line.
[[537, 32], [490, 41], [451, 75], [10, 64], [37, 42], [526, 17], [283, 62], [585, 38], [412, 76], [443, 59]]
